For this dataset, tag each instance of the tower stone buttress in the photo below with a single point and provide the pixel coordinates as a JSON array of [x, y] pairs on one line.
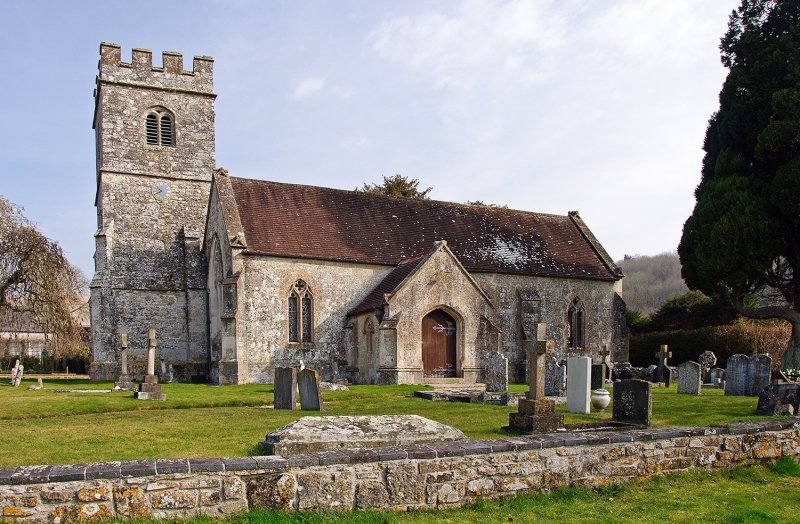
[[154, 129]]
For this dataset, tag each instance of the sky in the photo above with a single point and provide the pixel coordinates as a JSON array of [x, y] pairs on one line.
[[547, 106]]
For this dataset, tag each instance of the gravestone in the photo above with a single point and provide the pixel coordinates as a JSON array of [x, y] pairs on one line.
[[497, 373], [536, 414], [747, 376], [689, 378], [123, 383], [310, 392], [555, 378], [598, 375], [776, 395], [579, 385], [707, 359], [633, 401], [717, 377], [285, 388], [150, 389], [662, 372], [16, 374]]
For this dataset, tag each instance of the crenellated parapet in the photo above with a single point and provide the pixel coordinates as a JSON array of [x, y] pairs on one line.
[[140, 70]]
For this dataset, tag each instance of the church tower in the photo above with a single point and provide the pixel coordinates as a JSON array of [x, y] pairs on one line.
[[154, 129]]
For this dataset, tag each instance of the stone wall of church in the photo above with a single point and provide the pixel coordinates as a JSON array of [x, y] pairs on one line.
[[262, 317], [556, 294]]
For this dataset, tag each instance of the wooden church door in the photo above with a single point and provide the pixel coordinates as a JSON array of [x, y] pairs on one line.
[[439, 344]]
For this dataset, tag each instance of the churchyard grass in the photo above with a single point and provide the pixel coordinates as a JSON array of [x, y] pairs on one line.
[[753, 494], [201, 421]]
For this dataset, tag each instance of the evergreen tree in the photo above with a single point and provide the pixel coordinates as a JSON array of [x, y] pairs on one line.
[[398, 186], [744, 233]]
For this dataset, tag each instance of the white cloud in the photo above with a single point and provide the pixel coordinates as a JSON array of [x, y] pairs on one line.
[[342, 92], [307, 87]]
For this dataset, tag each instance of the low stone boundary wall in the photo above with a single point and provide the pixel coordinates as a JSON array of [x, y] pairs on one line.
[[430, 476]]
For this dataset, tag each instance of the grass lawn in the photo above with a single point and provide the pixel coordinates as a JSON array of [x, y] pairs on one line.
[[42, 427], [754, 494]]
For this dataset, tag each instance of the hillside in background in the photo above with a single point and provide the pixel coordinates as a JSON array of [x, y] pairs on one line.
[[651, 281]]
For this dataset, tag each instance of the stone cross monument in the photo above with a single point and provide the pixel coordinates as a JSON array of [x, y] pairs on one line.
[[150, 388], [536, 412], [662, 373], [124, 381], [707, 359]]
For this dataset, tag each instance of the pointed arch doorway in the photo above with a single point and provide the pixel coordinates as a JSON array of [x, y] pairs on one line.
[[439, 344]]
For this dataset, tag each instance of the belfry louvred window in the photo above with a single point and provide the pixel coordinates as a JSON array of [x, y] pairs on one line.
[[300, 310], [159, 128]]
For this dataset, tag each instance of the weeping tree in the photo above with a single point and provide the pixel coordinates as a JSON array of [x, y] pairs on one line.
[[37, 284], [743, 236]]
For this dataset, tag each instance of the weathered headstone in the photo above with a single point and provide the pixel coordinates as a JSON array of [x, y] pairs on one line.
[[707, 359], [776, 395], [598, 377], [16, 374], [124, 381], [579, 390], [555, 377], [310, 392], [689, 378], [150, 389], [717, 377], [747, 376], [285, 388], [663, 373], [633, 401], [497, 373], [536, 414]]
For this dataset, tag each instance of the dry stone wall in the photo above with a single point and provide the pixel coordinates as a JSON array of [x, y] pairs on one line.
[[432, 476]]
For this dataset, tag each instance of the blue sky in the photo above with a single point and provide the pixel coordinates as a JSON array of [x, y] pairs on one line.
[[596, 106]]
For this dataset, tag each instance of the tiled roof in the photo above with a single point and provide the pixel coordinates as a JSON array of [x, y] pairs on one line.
[[315, 222], [389, 283]]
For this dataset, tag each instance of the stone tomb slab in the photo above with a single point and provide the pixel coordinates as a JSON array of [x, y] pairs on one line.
[[312, 434]]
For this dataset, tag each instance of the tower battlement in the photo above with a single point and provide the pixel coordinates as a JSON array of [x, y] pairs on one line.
[[140, 70]]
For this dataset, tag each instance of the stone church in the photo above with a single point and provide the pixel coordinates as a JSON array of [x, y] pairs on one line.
[[241, 276]]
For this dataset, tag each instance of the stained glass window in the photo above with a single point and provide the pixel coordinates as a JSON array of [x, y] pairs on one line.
[[293, 319], [306, 319]]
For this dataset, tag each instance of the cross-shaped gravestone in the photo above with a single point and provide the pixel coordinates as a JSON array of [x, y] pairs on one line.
[[663, 373], [663, 355], [536, 351], [707, 360]]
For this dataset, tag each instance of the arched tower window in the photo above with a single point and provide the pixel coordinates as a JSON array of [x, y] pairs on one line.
[[300, 313], [576, 324], [159, 128]]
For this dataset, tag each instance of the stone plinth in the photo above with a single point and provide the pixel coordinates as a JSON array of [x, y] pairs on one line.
[[124, 383], [690, 377], [311, 434], [579, 390], [150, 389], [496, 373], [633, 401]]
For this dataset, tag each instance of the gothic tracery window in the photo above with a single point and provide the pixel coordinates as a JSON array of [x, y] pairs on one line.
[[576, 327], [369, 331], [300, 310], [159, 128]]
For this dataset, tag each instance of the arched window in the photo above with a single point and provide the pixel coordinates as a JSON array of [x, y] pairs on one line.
[[369, 331], [300, 313], [159, 128], [576, 317]]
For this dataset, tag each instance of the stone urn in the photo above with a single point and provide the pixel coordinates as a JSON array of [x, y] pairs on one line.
[[600, 399]]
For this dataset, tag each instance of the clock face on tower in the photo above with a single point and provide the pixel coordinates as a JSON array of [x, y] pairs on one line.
[[160, 191]]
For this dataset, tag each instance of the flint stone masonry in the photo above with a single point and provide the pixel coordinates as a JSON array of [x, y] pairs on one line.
[[397, 478], [497, 373], [747, 376], [310, 434]]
